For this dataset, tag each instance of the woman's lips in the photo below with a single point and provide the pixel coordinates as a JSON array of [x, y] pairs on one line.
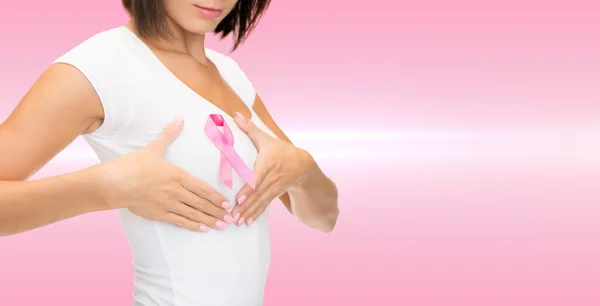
[[208, 12]]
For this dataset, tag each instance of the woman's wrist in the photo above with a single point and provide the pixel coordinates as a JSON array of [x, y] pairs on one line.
[[311, 175], [25, 205], [100, 189]]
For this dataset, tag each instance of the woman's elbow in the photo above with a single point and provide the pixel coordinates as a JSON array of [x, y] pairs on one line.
[[327, 223]]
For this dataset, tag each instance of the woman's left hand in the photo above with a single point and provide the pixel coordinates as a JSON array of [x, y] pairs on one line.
[[279, 166]]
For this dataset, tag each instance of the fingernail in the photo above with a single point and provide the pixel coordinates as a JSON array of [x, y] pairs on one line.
[[242, 199], [203, 228], [178, 120], [228, 219], [226, 205], [250, 220], [237, 216], [241, 221], [221, 225]]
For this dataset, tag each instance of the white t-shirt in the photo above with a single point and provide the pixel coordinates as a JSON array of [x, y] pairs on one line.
[[140, 96]]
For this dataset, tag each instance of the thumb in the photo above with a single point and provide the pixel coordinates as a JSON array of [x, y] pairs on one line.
[[257, 136], [167, 136]]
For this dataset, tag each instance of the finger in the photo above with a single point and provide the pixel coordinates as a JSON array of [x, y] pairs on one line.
[[238, 214], [257, 213], [204, 206], [241, 197], [203, 190], [257, 135], [256, 205], [169, 133], [243, 194], [194, 215], [182, 222], [267, 190], [241, 212], [246, 212]]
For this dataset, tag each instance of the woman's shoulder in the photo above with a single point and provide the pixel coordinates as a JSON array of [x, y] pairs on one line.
[[103, 46], [220, 59], [233, 72], [226, 63]]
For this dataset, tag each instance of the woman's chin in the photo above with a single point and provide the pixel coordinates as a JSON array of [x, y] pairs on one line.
[[201, 26]]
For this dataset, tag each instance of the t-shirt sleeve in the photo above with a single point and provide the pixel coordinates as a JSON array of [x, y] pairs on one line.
[[244, 86], [248, 93], [94, 59]]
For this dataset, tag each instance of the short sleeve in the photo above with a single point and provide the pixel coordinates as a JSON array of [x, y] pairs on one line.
[[249, 93], [244, 86], [91, 76], [94, 59]]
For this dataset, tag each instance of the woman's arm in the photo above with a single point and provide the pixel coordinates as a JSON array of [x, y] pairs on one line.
[[60, 106], [26, 205], [315, 200]]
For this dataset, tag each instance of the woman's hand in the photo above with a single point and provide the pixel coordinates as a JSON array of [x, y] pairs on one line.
[[149, 186], [279, 166]]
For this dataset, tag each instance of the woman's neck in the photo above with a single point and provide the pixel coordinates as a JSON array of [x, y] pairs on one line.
[[183, 42]]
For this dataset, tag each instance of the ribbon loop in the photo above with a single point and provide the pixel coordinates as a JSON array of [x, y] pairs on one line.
[[229, 158]]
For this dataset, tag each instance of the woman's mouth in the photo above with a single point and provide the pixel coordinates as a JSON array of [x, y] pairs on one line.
[[208, 12]]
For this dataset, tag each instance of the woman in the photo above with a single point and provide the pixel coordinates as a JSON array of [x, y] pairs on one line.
[[130, 90]]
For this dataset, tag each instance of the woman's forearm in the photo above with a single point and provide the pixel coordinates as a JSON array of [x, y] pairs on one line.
[[26, 205], [315, 201]]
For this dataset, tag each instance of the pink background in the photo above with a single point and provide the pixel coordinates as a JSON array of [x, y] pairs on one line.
[[464, 137]]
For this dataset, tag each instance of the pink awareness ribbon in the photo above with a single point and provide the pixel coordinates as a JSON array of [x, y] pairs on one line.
[[229, 157]]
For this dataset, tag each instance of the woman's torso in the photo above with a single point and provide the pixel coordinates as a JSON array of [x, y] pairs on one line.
[[140, 96]]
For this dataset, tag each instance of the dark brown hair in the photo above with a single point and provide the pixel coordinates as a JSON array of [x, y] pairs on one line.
[[150, 18]]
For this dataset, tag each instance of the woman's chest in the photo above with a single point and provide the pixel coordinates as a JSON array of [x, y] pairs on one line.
[[213, 86], [193, 150]]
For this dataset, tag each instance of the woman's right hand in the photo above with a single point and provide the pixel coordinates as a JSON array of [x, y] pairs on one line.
[[150, 187]]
